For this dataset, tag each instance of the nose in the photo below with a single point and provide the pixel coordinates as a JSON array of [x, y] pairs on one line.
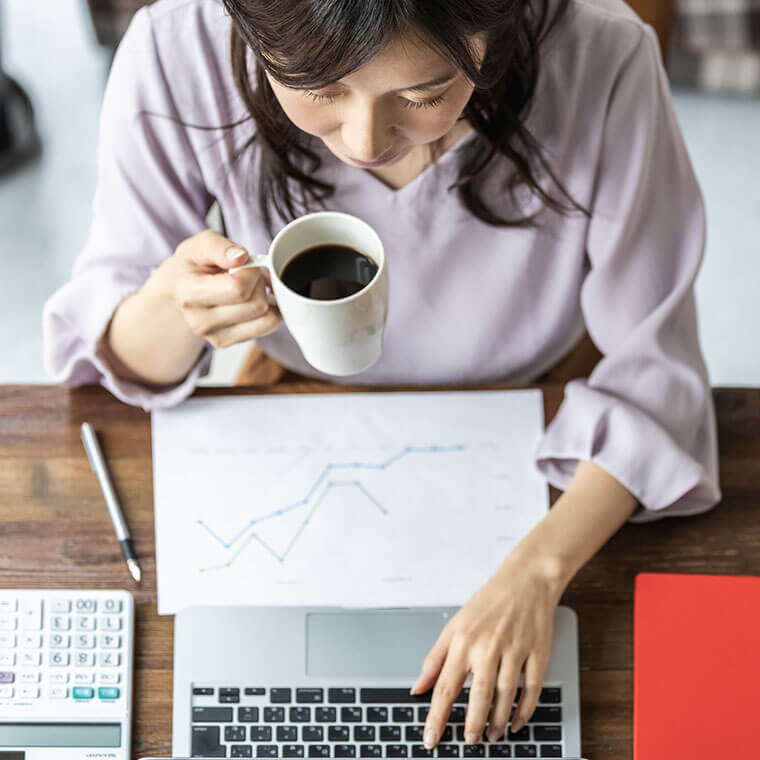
[[366, 135]]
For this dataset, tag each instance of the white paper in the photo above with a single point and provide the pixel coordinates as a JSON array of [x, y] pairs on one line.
[[372, 499]]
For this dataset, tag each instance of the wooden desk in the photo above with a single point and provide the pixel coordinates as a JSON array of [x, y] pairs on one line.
[[55, 532]]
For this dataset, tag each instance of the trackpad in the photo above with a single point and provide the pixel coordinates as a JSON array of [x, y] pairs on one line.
[[383, 643]]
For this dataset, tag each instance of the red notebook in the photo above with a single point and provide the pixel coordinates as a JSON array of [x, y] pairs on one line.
[[696, 667]]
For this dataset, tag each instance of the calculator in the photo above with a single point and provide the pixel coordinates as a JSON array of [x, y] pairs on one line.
[[65, 674]]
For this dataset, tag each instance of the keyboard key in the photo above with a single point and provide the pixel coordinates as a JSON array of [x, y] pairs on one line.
[[546, 715], [309, 695], [241, 750], [547, 733], [370, 750], [266, 750], [419, 750], [325, 714], [84, 677], [112, 605], [551, 750], [204, 691], [248, 714], [344, 750], [61, 605], [342, 695], [473, 750], [403, 714], [422, 713], [300, 714], [448, 734], [396, 750], [260, 734], [413, 733], [85, 605], [287, 733], [293, 750], [337, 733], [274, 714], [205, 742], [212, 715], [234, 733], [552, 695], [277, 696], [312, 734], [364, 733], [499, 750], [319, 750], [254, 691], [108, 692], [350, 714], [391, 696], [464, 695], [29, 692], [377, 715], [83, 692], [390, 733], [448, 750], [228, 694], [523, 735], [525, 750]]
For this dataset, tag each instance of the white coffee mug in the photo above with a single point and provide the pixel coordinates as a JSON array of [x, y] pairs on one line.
[[342, 336]]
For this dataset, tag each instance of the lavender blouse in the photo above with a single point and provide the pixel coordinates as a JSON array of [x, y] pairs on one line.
[[469, 302]]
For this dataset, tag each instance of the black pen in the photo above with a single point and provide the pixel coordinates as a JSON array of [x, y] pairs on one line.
[[98, 464]]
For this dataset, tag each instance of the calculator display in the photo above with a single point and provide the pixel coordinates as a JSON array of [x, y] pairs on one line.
[[60, 735]]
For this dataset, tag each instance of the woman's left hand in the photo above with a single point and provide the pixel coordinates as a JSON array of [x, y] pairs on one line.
[[503, 629]]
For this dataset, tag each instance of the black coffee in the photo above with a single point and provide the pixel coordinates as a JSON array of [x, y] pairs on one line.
[[328, 272]]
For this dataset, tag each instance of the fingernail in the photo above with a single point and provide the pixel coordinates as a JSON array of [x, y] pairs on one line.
[[417, 683], [235, 253], [429, 739], [471, 738], [516, 726]]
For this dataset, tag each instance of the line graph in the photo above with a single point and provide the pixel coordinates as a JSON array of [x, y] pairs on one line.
[[281, 557], [330, 467]]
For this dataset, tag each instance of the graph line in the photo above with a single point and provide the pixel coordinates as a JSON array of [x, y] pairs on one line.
[[281, 557], [228, 544]]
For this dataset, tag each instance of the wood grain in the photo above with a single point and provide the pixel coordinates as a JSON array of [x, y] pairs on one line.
[[55, 533]]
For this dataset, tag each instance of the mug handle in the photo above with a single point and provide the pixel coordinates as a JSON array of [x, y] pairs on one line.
[[258, 260]]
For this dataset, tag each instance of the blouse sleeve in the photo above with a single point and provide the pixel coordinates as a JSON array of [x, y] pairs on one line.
[[645, 415], [149, 196]]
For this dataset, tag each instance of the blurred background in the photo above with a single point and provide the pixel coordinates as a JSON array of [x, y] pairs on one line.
[[54, 60]]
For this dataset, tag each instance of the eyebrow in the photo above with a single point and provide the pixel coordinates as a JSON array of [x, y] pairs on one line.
[[429, 85]]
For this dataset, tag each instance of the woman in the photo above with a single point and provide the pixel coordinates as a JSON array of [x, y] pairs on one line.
[[521, 162]]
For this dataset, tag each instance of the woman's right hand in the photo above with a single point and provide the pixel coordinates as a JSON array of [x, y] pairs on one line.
[[221, 307]]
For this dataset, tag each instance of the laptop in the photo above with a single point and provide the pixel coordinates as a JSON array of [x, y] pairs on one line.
[[333, 682]]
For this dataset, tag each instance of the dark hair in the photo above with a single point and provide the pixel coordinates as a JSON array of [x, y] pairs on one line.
[[312, 43]]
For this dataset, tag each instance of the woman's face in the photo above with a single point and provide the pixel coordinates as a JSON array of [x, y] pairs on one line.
[[408, 95]]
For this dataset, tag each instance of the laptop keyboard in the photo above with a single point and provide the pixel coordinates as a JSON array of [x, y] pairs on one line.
[[345, 722]]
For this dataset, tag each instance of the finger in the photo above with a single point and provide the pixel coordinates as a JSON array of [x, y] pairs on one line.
[[203, 290], [433, 663], [447, 688], [504, 695], [534, 678], [479, 702], [256, 328], [208, 321], [211, 251]]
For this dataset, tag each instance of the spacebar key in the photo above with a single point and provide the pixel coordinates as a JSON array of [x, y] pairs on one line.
[[391, 696]]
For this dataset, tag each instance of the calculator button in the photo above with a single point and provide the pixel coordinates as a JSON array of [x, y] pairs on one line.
[[60, 623], [59, 659], [84, 659], [109, 677], [7, 640], [109, 659], [110, 623], [59, 677], [6, 692], [81, 677], [109, 641], [112, 605], [60, 641], [29, 676], [86, 623], [58, 692], [31, 614], [108, 692], [29, 692], [85, 605], [8, 659], [8, 605], [7, 622], [31, 659], [7, 676], [31, 640], [85, 641], [83, 692], [60, 605]]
